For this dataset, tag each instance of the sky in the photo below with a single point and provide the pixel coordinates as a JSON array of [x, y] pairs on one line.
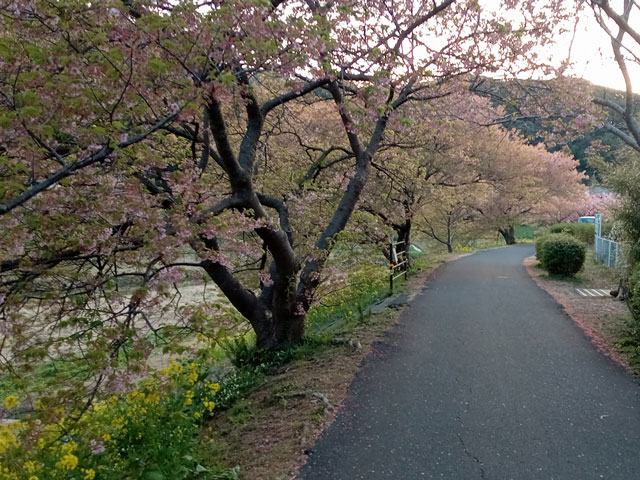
[[592, 55]]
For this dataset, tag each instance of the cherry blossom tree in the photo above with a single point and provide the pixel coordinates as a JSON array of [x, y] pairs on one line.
[[136, 134], [522, 181], [421, 162], [448, 214]]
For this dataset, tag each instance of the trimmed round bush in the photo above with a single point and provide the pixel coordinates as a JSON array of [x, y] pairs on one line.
[[562, 254], [540, 241]]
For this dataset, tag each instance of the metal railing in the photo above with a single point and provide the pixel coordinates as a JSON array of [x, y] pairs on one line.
[[606, 251], [397, 263]]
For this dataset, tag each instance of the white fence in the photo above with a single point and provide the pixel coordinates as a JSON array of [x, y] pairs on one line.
[[606, 251]]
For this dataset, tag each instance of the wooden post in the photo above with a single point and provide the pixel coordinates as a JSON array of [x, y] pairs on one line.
[[391, 266]]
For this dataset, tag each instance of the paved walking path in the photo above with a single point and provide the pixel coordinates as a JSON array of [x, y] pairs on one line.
[[484, 378]]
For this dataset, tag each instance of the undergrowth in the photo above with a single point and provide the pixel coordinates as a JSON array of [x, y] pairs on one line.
[[158, 431], [629, 343]]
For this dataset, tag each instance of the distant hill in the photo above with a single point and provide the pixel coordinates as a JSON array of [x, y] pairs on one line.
[[510, 95]]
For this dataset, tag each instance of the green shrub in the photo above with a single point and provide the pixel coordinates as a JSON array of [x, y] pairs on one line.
[[540, 248], [241, 351], [562, 254], [629, 342], [584, 232], [633, 300]]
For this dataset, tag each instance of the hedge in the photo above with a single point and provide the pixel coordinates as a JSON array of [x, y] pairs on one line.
[[584, 232]]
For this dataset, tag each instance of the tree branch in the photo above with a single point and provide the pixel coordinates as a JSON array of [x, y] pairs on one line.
[[619, 19], [218, 128], [292, 95], [70, 168], [281, 207], [628, 139]]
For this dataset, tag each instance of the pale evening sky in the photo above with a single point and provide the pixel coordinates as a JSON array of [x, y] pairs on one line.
[[593, 56]]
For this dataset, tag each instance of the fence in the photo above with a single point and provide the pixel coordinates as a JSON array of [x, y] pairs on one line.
[[606, 251], [397, 263]]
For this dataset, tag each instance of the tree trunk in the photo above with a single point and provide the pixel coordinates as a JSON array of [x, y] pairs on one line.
[[449, 248], [274, 332], [276, 316], [509, 234]]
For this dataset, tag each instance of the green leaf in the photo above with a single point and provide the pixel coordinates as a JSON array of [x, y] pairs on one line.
[[153, 475], [227, 78], [36, 54], [30, 111]]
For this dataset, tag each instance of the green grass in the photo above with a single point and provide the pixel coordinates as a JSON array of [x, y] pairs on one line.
[[629, 342], [527, 232], [45, 376], [596, 273], [350, 303]]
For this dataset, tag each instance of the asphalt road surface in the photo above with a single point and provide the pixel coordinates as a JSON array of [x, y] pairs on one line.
[[484, 378]]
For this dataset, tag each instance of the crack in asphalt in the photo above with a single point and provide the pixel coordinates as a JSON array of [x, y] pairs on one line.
[[466, 450], [469, 454]]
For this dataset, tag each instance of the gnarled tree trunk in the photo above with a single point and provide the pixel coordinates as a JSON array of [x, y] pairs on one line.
[[509, 234]]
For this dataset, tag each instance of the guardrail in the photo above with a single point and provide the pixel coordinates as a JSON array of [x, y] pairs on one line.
[[397, 263]]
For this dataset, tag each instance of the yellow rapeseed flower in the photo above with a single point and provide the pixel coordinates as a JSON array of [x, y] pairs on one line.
[[117, 423], [135, 396], [192, 378], [11, 401], [213, 387], [7, 438], [89, 473], [174, 367], [30, 467], [67, 462], [69, 447]]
